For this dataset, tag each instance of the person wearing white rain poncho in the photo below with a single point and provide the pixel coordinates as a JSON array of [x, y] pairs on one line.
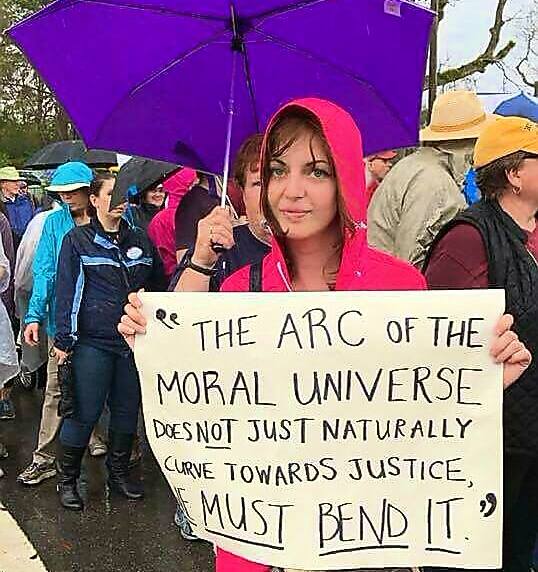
[[9, 365], [33, 357]]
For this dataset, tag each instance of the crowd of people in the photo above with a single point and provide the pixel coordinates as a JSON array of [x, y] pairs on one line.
[[309, 213]]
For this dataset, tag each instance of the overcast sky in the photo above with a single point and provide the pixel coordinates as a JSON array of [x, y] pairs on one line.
[[464, 34]]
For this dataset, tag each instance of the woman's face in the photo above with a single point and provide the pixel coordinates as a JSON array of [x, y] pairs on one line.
[[155, 196], [77, 201], [379, 166], [101, 202], [10, 189], [302, 189]]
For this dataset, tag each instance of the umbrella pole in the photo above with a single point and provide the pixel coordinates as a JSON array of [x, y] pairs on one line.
[[237, 47], [231, 106]]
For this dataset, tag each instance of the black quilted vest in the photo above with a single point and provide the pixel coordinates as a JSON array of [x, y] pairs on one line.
[[512, 267]]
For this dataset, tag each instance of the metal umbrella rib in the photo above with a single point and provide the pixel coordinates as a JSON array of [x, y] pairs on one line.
[[265, 16], [155, 9]]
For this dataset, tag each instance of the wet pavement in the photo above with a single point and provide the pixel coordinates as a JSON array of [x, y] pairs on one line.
[[112, 534]]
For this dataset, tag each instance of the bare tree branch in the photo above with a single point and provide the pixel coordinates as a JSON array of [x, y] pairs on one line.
[[491, 54], [525, 68], [442, 5], [524, 59]]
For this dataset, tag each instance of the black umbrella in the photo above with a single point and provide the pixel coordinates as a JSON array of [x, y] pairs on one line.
[[100, 159], [55, 154], [142, 173]]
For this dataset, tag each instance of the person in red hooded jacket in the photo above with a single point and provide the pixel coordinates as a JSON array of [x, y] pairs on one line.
[[161, 229], [313, 197]]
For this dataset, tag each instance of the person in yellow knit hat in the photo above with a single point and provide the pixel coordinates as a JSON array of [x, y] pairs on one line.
[[494, 244]]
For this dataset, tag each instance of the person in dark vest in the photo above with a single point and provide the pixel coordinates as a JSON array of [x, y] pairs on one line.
[[494, 244]]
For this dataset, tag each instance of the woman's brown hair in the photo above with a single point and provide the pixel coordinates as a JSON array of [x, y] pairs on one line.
[[492, 179], [284, 132], [247, 159], [95, 189]]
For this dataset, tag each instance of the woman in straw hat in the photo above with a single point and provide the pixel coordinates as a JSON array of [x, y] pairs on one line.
[[494, 244], [424, 191]]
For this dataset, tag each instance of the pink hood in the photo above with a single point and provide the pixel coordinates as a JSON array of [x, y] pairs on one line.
[[345, 143], [362, 267], [177, 185], [161, 228]]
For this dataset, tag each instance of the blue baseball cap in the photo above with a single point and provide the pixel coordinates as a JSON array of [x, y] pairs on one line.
[[70, 177]]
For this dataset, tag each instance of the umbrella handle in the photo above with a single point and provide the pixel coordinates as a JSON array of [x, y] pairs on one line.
[[217, 248]]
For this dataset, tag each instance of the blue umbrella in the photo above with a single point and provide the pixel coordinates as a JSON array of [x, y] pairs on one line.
[[519, 106]]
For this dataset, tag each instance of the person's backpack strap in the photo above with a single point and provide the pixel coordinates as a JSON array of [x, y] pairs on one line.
[[255, 284]]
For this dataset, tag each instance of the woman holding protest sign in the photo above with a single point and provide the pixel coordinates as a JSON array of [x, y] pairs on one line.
[[313, 197]]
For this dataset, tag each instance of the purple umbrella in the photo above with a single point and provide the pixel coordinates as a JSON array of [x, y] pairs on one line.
[[163, 78]]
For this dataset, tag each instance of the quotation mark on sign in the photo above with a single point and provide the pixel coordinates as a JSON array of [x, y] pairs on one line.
[[161, 316], [491, 499]]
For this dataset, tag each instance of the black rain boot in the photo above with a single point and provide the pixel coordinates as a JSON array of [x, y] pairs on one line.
[[69, 471], [119, 452]]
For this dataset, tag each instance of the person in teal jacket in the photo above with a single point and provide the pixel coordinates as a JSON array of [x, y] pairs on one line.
[[71, 182], [42, 306]]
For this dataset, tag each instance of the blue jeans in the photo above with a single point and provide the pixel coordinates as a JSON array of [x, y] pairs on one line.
[[98, 375]]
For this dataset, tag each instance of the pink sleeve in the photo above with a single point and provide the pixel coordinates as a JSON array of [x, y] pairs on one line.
[[161, 233], [228, 562], [153, 231]]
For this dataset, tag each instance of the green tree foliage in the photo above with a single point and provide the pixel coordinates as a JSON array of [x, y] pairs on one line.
[[29, 115]]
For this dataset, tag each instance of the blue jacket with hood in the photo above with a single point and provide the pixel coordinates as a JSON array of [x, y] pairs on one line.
[[95, 275], [19, 212], [42, 306]]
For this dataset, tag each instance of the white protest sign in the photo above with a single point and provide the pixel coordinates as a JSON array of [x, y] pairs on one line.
[[334, 430]]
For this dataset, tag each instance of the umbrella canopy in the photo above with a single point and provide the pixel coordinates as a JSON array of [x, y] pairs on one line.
[[97, 158], [141, 173], [519, 106], [60, 152], [155, 79]]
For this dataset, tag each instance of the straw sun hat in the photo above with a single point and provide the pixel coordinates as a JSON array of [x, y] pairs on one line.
[[456, 115], [9, 174]]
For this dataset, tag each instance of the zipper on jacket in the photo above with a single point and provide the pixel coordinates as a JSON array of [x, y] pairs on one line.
[[283, 276], [532, 256], [123, 269]]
